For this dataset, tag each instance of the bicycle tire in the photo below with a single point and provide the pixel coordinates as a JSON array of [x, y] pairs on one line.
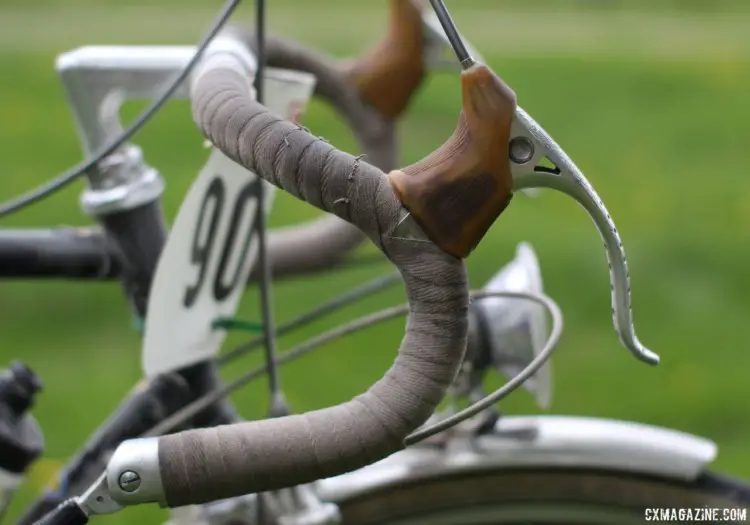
[[539, 495]]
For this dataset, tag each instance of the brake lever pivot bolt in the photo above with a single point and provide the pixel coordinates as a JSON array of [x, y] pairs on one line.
[[521, 150]]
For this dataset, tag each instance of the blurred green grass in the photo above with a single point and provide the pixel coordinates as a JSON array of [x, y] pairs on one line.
[[661, 139], [699, 6]]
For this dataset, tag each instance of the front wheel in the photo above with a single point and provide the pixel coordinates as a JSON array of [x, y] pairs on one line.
[[550, 496]]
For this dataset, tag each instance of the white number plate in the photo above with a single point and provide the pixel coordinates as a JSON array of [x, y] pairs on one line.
[[211, 248]]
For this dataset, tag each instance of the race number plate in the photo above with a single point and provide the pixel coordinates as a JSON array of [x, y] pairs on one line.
[[211, 248]]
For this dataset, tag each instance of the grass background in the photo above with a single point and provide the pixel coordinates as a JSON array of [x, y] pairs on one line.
[[649, 97]]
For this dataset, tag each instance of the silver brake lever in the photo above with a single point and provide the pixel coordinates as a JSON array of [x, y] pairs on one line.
[[530, 145]]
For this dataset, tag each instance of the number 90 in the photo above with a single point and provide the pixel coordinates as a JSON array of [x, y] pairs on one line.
[[211, 210]]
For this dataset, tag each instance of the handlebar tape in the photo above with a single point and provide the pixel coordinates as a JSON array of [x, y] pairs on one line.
[[197, 466], [322, 243]]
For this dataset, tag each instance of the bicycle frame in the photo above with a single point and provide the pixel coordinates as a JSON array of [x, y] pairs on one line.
[[59, 253]]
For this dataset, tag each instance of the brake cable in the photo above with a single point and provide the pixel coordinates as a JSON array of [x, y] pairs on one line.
[[451, 31], [278, 405], [62, 180]]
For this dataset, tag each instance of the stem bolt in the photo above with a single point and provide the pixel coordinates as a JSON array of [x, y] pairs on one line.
[[129, 481]]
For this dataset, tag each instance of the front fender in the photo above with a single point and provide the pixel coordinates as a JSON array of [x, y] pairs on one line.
[[539, 441]]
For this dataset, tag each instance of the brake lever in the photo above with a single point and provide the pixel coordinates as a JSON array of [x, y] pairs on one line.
[[528, 145]]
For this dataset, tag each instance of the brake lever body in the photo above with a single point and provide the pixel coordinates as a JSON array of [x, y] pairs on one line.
[[438, 55]]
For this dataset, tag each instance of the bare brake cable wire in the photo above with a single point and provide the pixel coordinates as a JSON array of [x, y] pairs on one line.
[[278, 405], [451, 31], [200, 404], [62, 180]]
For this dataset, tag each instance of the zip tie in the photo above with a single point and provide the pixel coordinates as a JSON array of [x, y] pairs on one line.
[[138, 323], [231, 323]]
